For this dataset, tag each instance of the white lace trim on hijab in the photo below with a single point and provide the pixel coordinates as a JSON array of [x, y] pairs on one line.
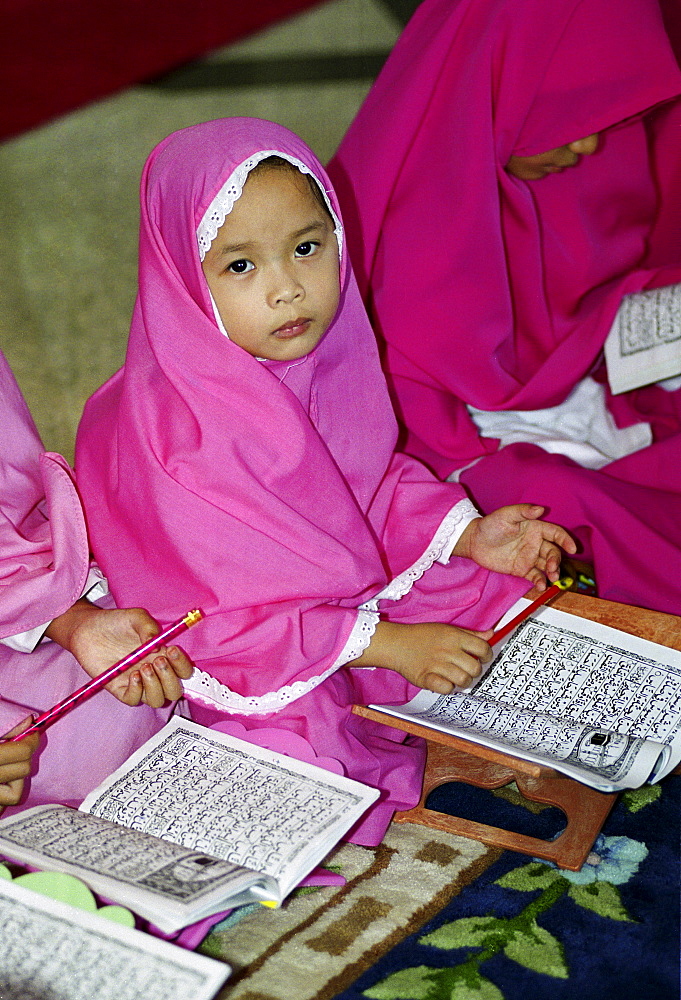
[[223, 202], [439, 550], [204, 687]]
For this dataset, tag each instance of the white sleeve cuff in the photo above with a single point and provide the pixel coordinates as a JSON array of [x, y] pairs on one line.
[[467, 513], [359, 638]]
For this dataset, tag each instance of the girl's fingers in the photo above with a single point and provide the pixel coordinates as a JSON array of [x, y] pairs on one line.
[[24, 724], [153, 689], [476, 645], [180, 662], [168, 679], [134, 691], [15, 771], [559, 536], [438, 684], [22, 750], [444, 683], [10, 793], [156, 681]]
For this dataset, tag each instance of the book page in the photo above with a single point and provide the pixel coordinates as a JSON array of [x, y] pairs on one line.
[[212, 792], [50, 949], [589, 700], [644, 344], [165, 883]]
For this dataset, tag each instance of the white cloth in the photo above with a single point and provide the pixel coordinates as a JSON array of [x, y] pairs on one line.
[[581, 427]]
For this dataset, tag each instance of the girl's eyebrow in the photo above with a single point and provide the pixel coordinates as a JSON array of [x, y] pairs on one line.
[[313, 227], [236, 248]]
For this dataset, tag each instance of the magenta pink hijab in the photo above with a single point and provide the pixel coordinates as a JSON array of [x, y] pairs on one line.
[[267, 494], [487, 289]]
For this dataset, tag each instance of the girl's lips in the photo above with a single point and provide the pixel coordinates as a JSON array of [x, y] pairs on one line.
[[293, 329]]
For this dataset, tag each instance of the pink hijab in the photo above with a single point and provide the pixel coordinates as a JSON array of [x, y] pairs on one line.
[[487, 289], [44, 556], [44, 562], [267, 494]]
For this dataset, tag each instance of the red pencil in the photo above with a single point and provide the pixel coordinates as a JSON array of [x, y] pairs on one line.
[[548, 595], [97, 683]]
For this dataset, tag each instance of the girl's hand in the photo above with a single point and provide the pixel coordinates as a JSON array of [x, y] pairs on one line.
[[15, 763], [513, 540], [430, 655], [99, 637]]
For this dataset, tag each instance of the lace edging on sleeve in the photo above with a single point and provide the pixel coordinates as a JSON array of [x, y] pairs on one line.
[[205, 688], [445, 537]]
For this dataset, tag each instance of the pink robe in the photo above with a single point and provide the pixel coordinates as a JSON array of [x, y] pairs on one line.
[[44, 563], [499, 293], [267, 494]]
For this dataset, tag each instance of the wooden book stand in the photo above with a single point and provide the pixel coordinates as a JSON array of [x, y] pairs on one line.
[[453, 759]]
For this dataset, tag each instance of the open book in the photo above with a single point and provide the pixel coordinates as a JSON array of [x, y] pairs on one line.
[[195, 822], [590, 701], [644, 344], [51, 949]]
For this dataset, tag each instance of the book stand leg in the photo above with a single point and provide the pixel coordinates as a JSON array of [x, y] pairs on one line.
[[584, 807]]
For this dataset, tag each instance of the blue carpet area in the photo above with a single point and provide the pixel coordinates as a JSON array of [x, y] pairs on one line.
[[526, 931]]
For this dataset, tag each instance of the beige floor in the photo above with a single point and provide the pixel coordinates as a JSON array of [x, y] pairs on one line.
[[69, 201]]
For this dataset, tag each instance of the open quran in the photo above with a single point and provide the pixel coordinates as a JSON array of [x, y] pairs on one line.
[[590, 701], [195, 822], [53, 950], [644, 344]]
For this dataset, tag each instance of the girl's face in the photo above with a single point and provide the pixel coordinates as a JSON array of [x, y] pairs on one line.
[[532, 168], [273, 267]]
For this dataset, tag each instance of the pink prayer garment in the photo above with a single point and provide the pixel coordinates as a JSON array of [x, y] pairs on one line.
[[496, 294], [44, 564], [265, 493]]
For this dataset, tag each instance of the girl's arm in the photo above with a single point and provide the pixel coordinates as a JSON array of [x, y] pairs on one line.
[[439, 657], [430, 655]]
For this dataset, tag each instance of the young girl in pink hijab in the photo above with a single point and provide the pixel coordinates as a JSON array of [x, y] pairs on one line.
[[243, 462], [512, 174], [45, 572]]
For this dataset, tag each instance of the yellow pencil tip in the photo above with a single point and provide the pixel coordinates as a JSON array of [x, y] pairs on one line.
[[269, 903]]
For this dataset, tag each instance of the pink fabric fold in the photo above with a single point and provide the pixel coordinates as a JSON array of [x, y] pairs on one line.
[[499, 293], [44, 557], [267, 494], [44, 560]]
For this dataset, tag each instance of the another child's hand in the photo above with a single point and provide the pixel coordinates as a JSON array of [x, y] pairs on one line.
[[431, 655], [99, 637], [513, 540], [15, 764]]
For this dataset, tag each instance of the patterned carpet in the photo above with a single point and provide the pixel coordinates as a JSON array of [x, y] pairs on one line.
[[428, 916]]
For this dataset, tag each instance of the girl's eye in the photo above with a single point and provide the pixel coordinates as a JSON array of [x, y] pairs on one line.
[[240, 266], [306, 249]]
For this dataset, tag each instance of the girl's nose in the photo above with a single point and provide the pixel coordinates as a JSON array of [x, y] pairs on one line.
[[584, 147], [286, 288]]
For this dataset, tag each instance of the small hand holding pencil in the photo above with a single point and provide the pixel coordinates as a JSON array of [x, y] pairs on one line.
[[117, 670]]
